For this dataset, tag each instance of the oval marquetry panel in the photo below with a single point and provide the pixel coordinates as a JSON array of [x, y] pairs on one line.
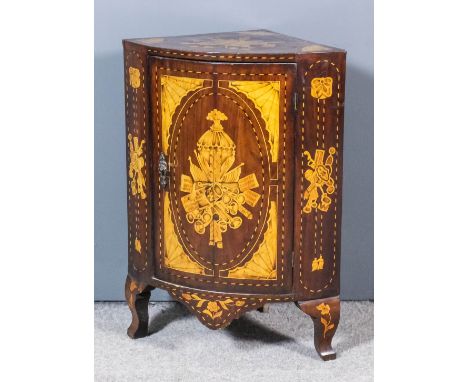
[[220, 193]]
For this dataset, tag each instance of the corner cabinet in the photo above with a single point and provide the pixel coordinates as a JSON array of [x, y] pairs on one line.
[[234, 162]]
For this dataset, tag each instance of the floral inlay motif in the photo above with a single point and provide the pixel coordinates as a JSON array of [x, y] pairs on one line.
[[137, 245], [134, 77], [320, 179], [325, 318], [241, 43], [317, 263], [217, 194], [322, 87], [212, 308], [135, 169]]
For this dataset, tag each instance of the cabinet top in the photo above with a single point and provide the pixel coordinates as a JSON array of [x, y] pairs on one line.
[[251, 42]]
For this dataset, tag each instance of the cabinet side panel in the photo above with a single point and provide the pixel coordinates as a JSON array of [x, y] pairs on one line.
[[318, 181], [139, 162]]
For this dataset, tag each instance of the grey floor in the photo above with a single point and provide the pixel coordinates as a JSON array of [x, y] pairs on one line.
[[273, 346]]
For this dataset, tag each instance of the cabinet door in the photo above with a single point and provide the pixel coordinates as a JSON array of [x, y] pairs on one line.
[[224, 219]]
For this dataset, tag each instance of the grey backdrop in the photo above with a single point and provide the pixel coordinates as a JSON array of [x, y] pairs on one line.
[[347, 24]]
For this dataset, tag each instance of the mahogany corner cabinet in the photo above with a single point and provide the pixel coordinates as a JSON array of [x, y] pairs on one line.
[[234, 164]]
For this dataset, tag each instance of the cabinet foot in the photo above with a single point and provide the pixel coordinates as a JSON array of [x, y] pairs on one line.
[[137, 296], [325, 314]]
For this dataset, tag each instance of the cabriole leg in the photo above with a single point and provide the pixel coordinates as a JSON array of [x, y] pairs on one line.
[[137, 296], [325, 314]]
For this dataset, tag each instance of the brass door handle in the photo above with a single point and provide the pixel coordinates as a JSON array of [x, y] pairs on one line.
[[163, 171]]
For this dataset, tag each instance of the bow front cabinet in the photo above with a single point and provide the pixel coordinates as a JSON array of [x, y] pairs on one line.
[[234, 164]]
